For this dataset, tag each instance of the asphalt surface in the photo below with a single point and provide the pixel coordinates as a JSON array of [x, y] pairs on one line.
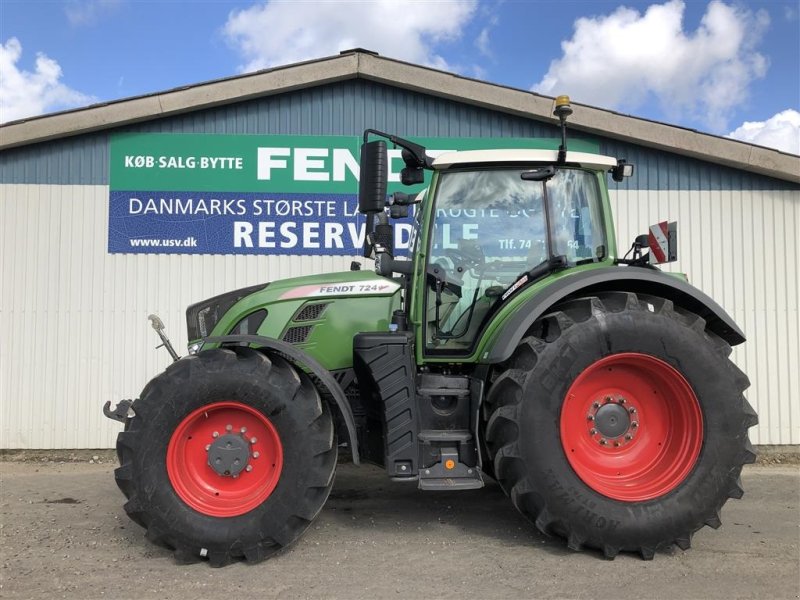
[[64, 534]]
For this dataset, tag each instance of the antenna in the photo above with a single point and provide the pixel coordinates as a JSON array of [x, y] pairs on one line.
[[562, 111]]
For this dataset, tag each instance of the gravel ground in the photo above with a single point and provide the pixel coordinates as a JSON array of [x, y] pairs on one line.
[[63, 534]]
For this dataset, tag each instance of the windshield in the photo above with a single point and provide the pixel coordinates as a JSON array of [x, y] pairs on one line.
[[489, 227]]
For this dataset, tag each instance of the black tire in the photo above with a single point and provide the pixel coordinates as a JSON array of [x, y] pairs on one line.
[[286, 398], [524, 410]]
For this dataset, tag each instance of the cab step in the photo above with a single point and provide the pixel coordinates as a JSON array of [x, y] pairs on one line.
[[445, 435], [449, 473]]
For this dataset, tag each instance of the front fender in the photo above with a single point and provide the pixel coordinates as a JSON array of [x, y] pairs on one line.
[[304, 361], [624, 279]]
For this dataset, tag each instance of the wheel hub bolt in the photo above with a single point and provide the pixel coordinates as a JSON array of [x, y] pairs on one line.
[[609, 420], [208, 447], [248, 468], [215, 434], [243, 430], [256, 454], [253, 440], [228, 427]]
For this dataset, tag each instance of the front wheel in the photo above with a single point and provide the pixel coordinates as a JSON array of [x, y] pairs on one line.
[[619, 423], [231, 455]]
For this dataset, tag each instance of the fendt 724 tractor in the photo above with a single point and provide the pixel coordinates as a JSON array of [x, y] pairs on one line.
[[514, 342]]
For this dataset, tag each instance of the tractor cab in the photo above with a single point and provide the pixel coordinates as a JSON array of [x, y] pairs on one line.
[[491, 223]]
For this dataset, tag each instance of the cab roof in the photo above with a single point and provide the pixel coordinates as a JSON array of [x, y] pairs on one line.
[[588, 161]]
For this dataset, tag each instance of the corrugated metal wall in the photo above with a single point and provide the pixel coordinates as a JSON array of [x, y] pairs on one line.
[[344, 108], [73, 316], [738, 247], [347, 108]]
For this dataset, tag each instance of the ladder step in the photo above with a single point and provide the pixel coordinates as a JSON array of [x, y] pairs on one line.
[[443, 392], [444, 435], [450, 474], [450, 483]]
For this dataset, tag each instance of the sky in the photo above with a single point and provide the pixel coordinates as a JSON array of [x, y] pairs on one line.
[[722, 67]]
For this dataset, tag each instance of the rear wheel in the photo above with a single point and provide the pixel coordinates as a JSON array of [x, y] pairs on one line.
[[631, 427], [619, 423], [231, 455]]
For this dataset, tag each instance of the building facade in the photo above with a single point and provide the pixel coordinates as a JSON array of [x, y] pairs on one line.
[[74, 304]]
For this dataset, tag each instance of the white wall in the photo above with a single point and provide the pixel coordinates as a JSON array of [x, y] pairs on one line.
[[73, 318], [741, 249]]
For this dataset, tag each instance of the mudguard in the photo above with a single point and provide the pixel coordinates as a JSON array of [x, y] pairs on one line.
[[304, 361], [625, 279]]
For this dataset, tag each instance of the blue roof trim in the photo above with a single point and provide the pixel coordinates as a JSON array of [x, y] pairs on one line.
[[347, 108]]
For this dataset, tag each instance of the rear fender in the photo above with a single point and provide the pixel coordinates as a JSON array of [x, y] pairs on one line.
[[305, 362], [623, 279]]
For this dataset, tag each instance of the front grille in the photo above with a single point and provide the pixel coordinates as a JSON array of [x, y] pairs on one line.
[[311, 312], [297, 335], [201, 318]]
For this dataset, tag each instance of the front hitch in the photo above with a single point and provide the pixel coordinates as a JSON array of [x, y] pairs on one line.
[[122, 412], [158, 325]]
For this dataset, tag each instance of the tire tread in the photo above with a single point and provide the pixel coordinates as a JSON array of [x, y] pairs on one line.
[[305, 399], [503, 417]]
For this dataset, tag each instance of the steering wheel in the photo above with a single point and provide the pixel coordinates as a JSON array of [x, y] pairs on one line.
[[466, 256]]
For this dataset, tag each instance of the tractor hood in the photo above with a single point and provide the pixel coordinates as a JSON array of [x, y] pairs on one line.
[[346, 283], [319, 313]]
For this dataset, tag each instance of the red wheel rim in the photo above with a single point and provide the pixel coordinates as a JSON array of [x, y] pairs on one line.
[[200, 435], [631, 427]]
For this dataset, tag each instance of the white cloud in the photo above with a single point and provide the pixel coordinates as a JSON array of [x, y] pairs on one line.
[[277, 33], [781, 131], [88, 12], [482, 42], [25, 93], [626, 58], [476, 72]]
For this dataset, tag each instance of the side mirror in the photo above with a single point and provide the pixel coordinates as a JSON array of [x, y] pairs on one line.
[[413, 173], [373, 178], [412, 176]]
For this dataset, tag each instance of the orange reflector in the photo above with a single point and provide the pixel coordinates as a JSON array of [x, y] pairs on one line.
[[449, 464]]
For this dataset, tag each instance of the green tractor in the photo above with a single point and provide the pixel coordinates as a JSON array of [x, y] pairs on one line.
[[513, 343]]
